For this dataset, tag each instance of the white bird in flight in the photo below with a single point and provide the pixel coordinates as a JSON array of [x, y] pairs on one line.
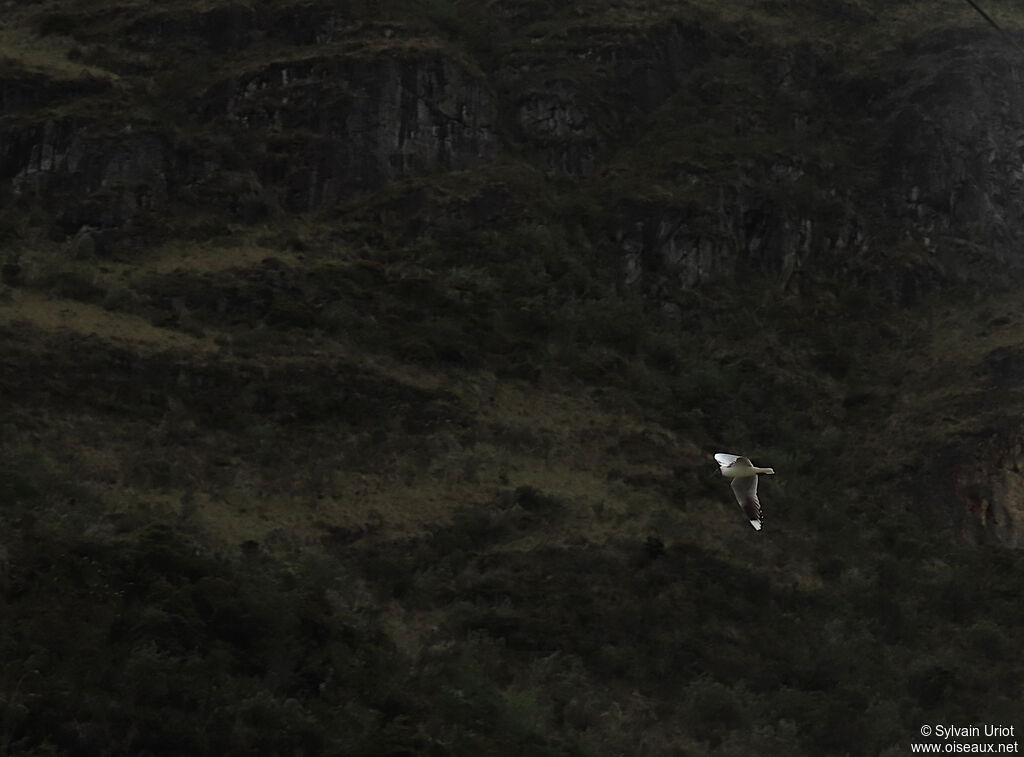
[[744, 483]]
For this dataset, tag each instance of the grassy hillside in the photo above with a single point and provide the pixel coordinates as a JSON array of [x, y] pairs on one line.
[[419, 471]]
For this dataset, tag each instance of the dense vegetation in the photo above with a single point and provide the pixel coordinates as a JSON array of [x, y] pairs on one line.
[[418, 471]]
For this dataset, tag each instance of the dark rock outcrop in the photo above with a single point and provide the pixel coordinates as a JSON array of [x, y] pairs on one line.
[[988, 490], [573, 119], [89, 173], [760, 141], [336, 125], [955, 158], [326, 127]]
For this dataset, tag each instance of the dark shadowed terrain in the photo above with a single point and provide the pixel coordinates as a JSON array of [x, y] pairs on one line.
[[362, 364]]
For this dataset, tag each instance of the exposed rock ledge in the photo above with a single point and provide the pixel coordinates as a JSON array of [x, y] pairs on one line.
[[989, 492]]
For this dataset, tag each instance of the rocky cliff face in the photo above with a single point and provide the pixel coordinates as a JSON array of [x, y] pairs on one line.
[[576, 97], [326, 127], [89, 176], [333, 126], [944, 138], [955, 155], [988, 492], [980, 478], [771, 159]]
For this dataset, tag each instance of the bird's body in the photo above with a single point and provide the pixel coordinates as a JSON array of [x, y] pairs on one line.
[[744, 483]]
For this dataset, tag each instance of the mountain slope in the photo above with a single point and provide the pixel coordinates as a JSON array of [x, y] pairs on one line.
[[363, 365]]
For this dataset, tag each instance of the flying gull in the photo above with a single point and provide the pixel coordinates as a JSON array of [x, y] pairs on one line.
[[744, 483]]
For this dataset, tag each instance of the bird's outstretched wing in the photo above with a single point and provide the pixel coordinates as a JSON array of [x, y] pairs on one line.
[[745, 490], [727, 461]]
